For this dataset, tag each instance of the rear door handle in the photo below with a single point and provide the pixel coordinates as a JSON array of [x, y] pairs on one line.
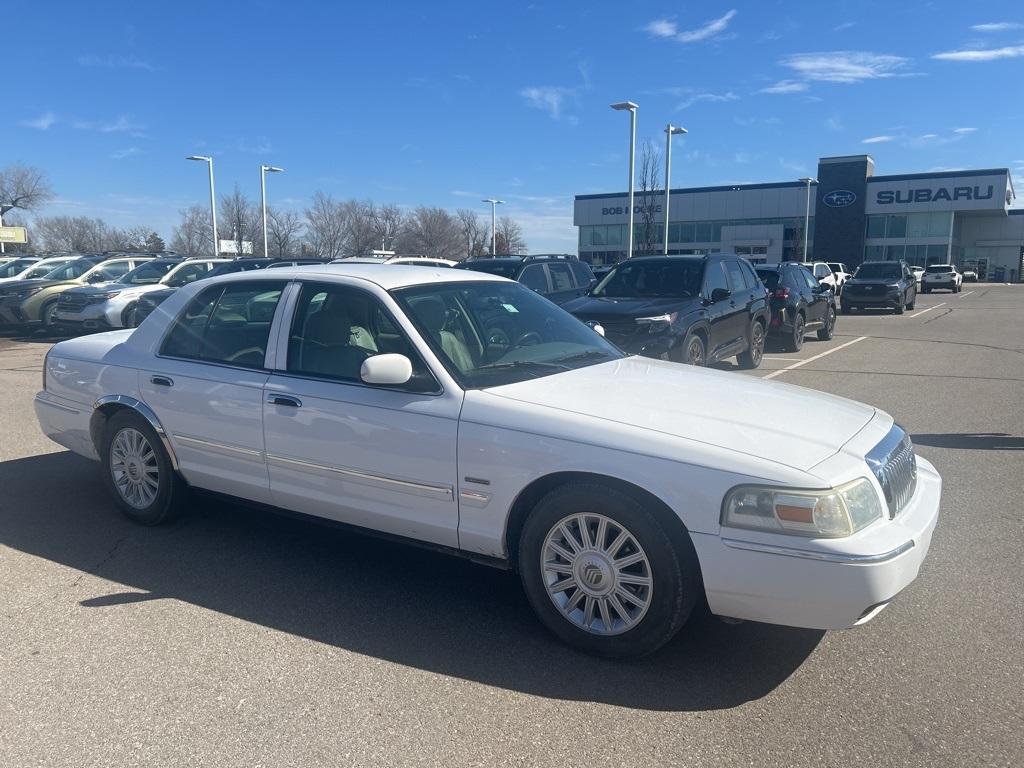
[[288, 400], [161, 381]]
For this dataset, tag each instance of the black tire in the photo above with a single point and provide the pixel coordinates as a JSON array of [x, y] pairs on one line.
[[674, 572], [692, 351], [46, 314], [128, 316], [899, 307], [925, 289], [913, 301], [752, 357], [795, 341], [829, 328], [171, 489]]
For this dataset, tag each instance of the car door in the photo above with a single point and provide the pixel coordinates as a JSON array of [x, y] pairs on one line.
[[814, 295], [723, 315], [563, 283], [205, 385], [378, 457]]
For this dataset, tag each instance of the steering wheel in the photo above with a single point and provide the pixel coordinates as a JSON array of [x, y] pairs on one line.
[[496, 335], [528, 339]]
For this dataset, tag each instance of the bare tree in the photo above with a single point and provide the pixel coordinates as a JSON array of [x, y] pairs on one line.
[[360, 227], [284, 228], [325, 227], [431, 232], [242, 219], [80, 233], [508, 237], [24, 187], [387, 223], [475, 233], [648, 234], [194, 234]]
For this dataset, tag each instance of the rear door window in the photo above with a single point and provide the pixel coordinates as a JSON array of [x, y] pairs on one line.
[[226, 324], [561, 277]]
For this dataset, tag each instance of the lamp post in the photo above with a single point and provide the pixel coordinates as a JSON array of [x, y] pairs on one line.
[[264, 170], [670, 131], [807, 210], [494, 203], [4, 209], [622, 106], [213, 200]]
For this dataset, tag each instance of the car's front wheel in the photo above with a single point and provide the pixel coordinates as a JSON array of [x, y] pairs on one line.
[[692, 351], [602, 573], [48, 314], [137, 470]]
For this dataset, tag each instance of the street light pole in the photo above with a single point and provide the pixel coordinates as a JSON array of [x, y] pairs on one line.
[[264, 170], [494, 203], [670, 131], [213, 200], [807, 211], [620, 106]]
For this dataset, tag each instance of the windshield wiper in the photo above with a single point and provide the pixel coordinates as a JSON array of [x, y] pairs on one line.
[[590, 354], [523, 364]]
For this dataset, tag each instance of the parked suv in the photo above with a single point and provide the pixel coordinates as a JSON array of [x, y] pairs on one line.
[[799, 304], [823, 273], [558, 278], [880, 284], [941, 276], [690, 309], [842, 274]]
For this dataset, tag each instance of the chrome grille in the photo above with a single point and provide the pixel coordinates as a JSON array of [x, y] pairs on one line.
[[894, 465]]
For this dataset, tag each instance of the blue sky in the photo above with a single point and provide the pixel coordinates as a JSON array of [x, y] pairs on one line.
[[445, 103]]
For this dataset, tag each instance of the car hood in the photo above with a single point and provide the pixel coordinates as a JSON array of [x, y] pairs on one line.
[[607, 306], [95, 288], [19, 285], [778, 423]]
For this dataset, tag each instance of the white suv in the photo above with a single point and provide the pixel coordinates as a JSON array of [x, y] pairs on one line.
[[823, 273], [841, 273], [941, 276]]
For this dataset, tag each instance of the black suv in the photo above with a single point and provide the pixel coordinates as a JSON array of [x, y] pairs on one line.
[[690, 309], [882, 284], [799, 303], [558, 278]]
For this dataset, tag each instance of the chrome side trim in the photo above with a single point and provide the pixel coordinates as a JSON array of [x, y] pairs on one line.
[[474, 497], [443, 491], [828, 557], [147, 413], [200, 443]]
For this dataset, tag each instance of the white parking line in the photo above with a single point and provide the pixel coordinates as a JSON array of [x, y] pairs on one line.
[[773, 374], [928, 310], [961, 295]]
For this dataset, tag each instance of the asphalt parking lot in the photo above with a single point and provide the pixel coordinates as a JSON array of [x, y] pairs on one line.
[[241, 638]]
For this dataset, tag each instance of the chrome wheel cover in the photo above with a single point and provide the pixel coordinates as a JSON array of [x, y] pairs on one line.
[[596, 574], [134, 468]]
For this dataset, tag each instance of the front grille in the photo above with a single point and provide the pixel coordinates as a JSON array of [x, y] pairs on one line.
[[614, 328], [895, 467], [70, 301]]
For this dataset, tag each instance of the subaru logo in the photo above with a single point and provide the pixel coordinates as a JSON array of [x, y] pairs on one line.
[[839, 198]]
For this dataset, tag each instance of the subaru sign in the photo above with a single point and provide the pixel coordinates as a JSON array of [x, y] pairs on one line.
[[839, 198]]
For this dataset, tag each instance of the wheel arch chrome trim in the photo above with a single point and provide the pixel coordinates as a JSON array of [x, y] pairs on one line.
[[126, 401]]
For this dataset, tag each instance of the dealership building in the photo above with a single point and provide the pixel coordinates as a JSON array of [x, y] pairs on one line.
[[963, 217]]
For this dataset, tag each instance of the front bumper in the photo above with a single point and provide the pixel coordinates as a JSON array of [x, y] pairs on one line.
[[820, 583], [11, 312], [658, 346], [871, 299]]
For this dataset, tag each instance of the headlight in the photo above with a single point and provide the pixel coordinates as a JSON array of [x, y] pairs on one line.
[[658, 323], [108, 295], [25, 293], [827, 513]]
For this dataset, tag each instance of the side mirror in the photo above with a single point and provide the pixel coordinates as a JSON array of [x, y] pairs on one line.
[[719, 294], [389, 370]]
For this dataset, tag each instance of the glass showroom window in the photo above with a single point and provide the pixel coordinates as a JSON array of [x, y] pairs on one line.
[[673, 233], [615, 233], [703, 232], [917, 224], [687, 233], [598, 236], [915, 254], [893, 252], [896, 226], [876, 226], [584, 237], [938, 254], [874, 252], [940, 224]]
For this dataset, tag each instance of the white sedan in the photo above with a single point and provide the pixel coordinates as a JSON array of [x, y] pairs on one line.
[[463, 411]]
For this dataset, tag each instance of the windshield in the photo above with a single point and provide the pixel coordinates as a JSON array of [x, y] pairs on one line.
[[236, 266], [148, 273], [499, 268], [15, 267], [770, 277], [655, 279], [880, 270], [492, 333], [183, 274], [939, 268], [71, 270]]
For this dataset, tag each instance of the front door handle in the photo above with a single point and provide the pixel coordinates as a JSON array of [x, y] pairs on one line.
[[288, 400], [161, 381]]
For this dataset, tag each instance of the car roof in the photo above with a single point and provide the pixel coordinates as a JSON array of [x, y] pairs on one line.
[[382, 275]]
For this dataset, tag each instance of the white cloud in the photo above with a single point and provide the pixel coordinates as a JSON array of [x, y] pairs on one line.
[[846, 66], [997, 26], [791, 166], [668, 29], [982, 54], [121, 154], [42, 123], [964, 130], [844, 25], [786, 86], [123, 124], [547, 98], [115, 62], [834, 123], [708, 30], [662, 28], [877, 139], [717, 97], [464, 193]]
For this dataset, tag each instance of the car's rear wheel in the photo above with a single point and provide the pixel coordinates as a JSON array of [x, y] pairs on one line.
[[755, 352], [137, 470], [796, 341], [602, 573], [830, 325]]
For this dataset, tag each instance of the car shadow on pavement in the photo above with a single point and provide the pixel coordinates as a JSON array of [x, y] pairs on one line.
[[386, 600], [977, 441]]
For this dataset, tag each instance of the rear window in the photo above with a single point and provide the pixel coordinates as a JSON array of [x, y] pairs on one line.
[[500, 269], [939, 268], [770, 277]]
